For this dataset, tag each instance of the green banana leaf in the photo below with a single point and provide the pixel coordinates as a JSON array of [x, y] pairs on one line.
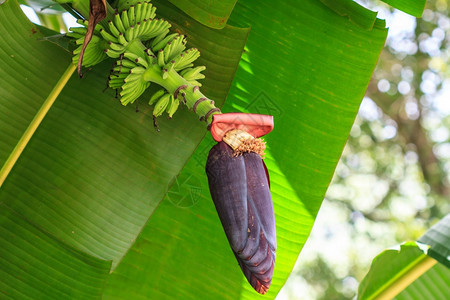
[[94, 172], [210, 13], [438, 237], [34, 264], [413, 271], [353, 11], [412, 7]]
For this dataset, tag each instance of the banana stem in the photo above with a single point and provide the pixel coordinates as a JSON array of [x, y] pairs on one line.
[[186, 92]]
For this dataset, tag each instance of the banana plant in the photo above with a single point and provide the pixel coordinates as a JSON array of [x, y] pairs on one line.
[[120, 210]]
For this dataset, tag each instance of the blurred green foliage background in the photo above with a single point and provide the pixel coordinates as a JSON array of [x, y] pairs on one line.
[[393, 180]]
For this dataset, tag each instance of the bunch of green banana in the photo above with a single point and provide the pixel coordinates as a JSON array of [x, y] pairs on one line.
[[95, 51], [193, 74], [146, 53], [164, 102]]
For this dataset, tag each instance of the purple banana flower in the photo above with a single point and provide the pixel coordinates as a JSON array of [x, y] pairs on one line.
[[239, 187]]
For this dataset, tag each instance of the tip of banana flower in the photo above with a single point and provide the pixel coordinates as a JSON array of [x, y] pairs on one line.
[[255, 124]]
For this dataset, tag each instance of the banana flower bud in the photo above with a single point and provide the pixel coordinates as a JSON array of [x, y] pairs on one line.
[[239, 186]]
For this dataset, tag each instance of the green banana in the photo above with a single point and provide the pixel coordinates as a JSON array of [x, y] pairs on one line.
[[111, 53], [159, 45], [174, 48], [121, 76], [131, 14], [121, 69], [117, 47], [156, 96], [94, 53], [133, 88], [107, 36], [126, 63], [113, 29], [125, 20], [173, 106], [150, 12], [138, 11], [165, 74], [138, 70], [193, 73], [161, 61], [129, 34], [118, 23], [80, 30], [122, 39], [85, 23], [185, 59], [115, 84], [142, 62], [149, 52], [161, 105], [133, 77]]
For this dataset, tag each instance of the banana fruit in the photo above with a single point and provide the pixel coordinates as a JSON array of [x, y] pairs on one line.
[[139, 41], [161, 105], [173, 106], [155, 97]]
